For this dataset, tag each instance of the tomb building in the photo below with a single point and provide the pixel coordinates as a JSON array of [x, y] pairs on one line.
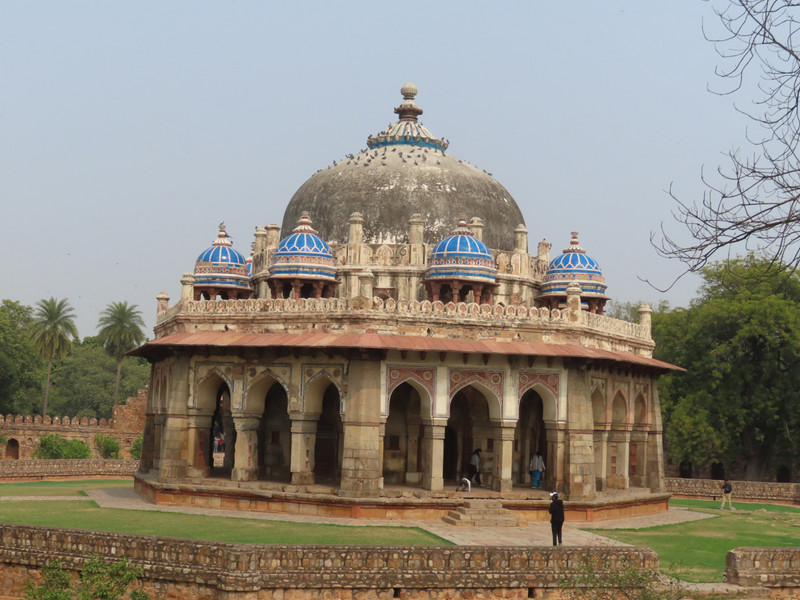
[[393, 324]]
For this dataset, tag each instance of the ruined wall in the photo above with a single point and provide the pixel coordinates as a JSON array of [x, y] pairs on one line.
[[785, 493], [767, 567], [210, 571], [24, 431]]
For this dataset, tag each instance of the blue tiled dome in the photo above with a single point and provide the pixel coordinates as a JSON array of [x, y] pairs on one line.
[[303, 255], [461, 256], [221, 266], [574, 265]]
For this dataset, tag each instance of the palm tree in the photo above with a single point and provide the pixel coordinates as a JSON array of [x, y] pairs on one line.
[[120, 328], [52, 332]]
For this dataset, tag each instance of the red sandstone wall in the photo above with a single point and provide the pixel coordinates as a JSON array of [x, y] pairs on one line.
[[125, 426]]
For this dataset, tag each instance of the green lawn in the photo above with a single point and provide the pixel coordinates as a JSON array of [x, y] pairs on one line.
[[696, 550], [61, 488], [82, 514]]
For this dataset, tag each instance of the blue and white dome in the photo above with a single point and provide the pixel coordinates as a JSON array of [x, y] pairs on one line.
[[303, 255], [574, 265], [220, 266], [461, 256]]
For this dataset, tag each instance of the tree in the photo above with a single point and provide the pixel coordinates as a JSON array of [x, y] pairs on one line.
[[51, 330], [83, 381], [136, 447], [740, 343], [753, 203], [107, 446], [97, 581], [120, 327], [21, 367]]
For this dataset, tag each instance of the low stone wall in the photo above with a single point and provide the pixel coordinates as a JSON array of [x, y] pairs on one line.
[[767, 567], [785, 493], [209, 571], [27, 470]]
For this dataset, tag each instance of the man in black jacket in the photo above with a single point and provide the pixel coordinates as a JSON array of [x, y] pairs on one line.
[[556, 517]]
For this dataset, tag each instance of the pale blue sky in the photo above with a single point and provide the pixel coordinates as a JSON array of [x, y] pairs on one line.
[[129, 130]]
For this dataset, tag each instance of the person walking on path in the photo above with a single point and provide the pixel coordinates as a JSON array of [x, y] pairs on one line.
[[727, 490], [475, 467], [556, 517], [537, 469]]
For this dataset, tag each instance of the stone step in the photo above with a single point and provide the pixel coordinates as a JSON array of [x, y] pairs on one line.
[[482, 513]]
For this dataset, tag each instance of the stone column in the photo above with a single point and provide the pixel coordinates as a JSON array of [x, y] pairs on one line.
[[362, 462], [198, 440], [646, 318], [555, 469], [476, 227], [148, 444], [433, 451], [638, 448], [504, 459], [355, 238], [601, 459], [304, 439], [245, 467], [413, 472], [187, 287], [173, 448], [619, 442], [163, 302]]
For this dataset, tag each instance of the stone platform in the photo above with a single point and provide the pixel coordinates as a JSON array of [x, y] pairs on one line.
[[396, 502]]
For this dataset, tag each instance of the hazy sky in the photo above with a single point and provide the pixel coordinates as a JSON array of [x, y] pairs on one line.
[[129, 130]]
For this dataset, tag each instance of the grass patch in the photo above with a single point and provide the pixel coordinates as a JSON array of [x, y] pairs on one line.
[[739, 506], [61, 488], [696, 550], [87, 515]]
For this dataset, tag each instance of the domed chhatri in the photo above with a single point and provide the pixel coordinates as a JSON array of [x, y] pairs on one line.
[[574, 265], [404, 170], [221, 271], [461, 265], [302, 259]]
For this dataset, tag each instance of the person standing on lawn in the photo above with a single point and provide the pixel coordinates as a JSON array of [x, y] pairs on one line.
[[727, 490]]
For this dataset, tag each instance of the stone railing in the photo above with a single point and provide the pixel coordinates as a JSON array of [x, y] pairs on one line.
[[459, 310], [53, 421], [176, 568], [66, 468], [766, 567], [742, 490]]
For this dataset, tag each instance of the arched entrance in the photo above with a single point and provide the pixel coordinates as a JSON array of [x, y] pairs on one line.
[[468, 428], [12, 449], [223, 435], [403, 438], [328, 446], [275, 437], [530, 436]]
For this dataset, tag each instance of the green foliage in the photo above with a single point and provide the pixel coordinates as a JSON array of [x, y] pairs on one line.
[[83, 382], [120, 329], [21, 367], [740, 344], [107, 446], [52, 332], [53, 445], [97, 581], [136, 447], [599, 580]]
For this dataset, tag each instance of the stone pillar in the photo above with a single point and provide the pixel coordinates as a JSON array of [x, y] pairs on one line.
[[163, 302], [362, 462], [504, 459], [173, 448], [246, 455], [413, 472], [645, 318], [476, 227], [416, 243], [148, 444], [433, 451], [260, 243], [365, 283], [574, 301], [617, 467], [654, 467], [637, 450], [600, 460], [521, 239], [355, 238], [580, 476], [555, 469], [543, 251], [187, 287], [273, 236], [198, 439], [304, 439]]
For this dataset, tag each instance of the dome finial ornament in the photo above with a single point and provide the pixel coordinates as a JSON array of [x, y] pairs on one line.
[[407, 131]]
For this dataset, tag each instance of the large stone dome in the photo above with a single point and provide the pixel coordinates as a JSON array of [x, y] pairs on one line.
[[404, 170]]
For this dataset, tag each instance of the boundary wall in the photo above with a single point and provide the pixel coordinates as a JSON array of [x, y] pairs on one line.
[[782, 493], [765, 567], [90, 468], [198, 570]]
